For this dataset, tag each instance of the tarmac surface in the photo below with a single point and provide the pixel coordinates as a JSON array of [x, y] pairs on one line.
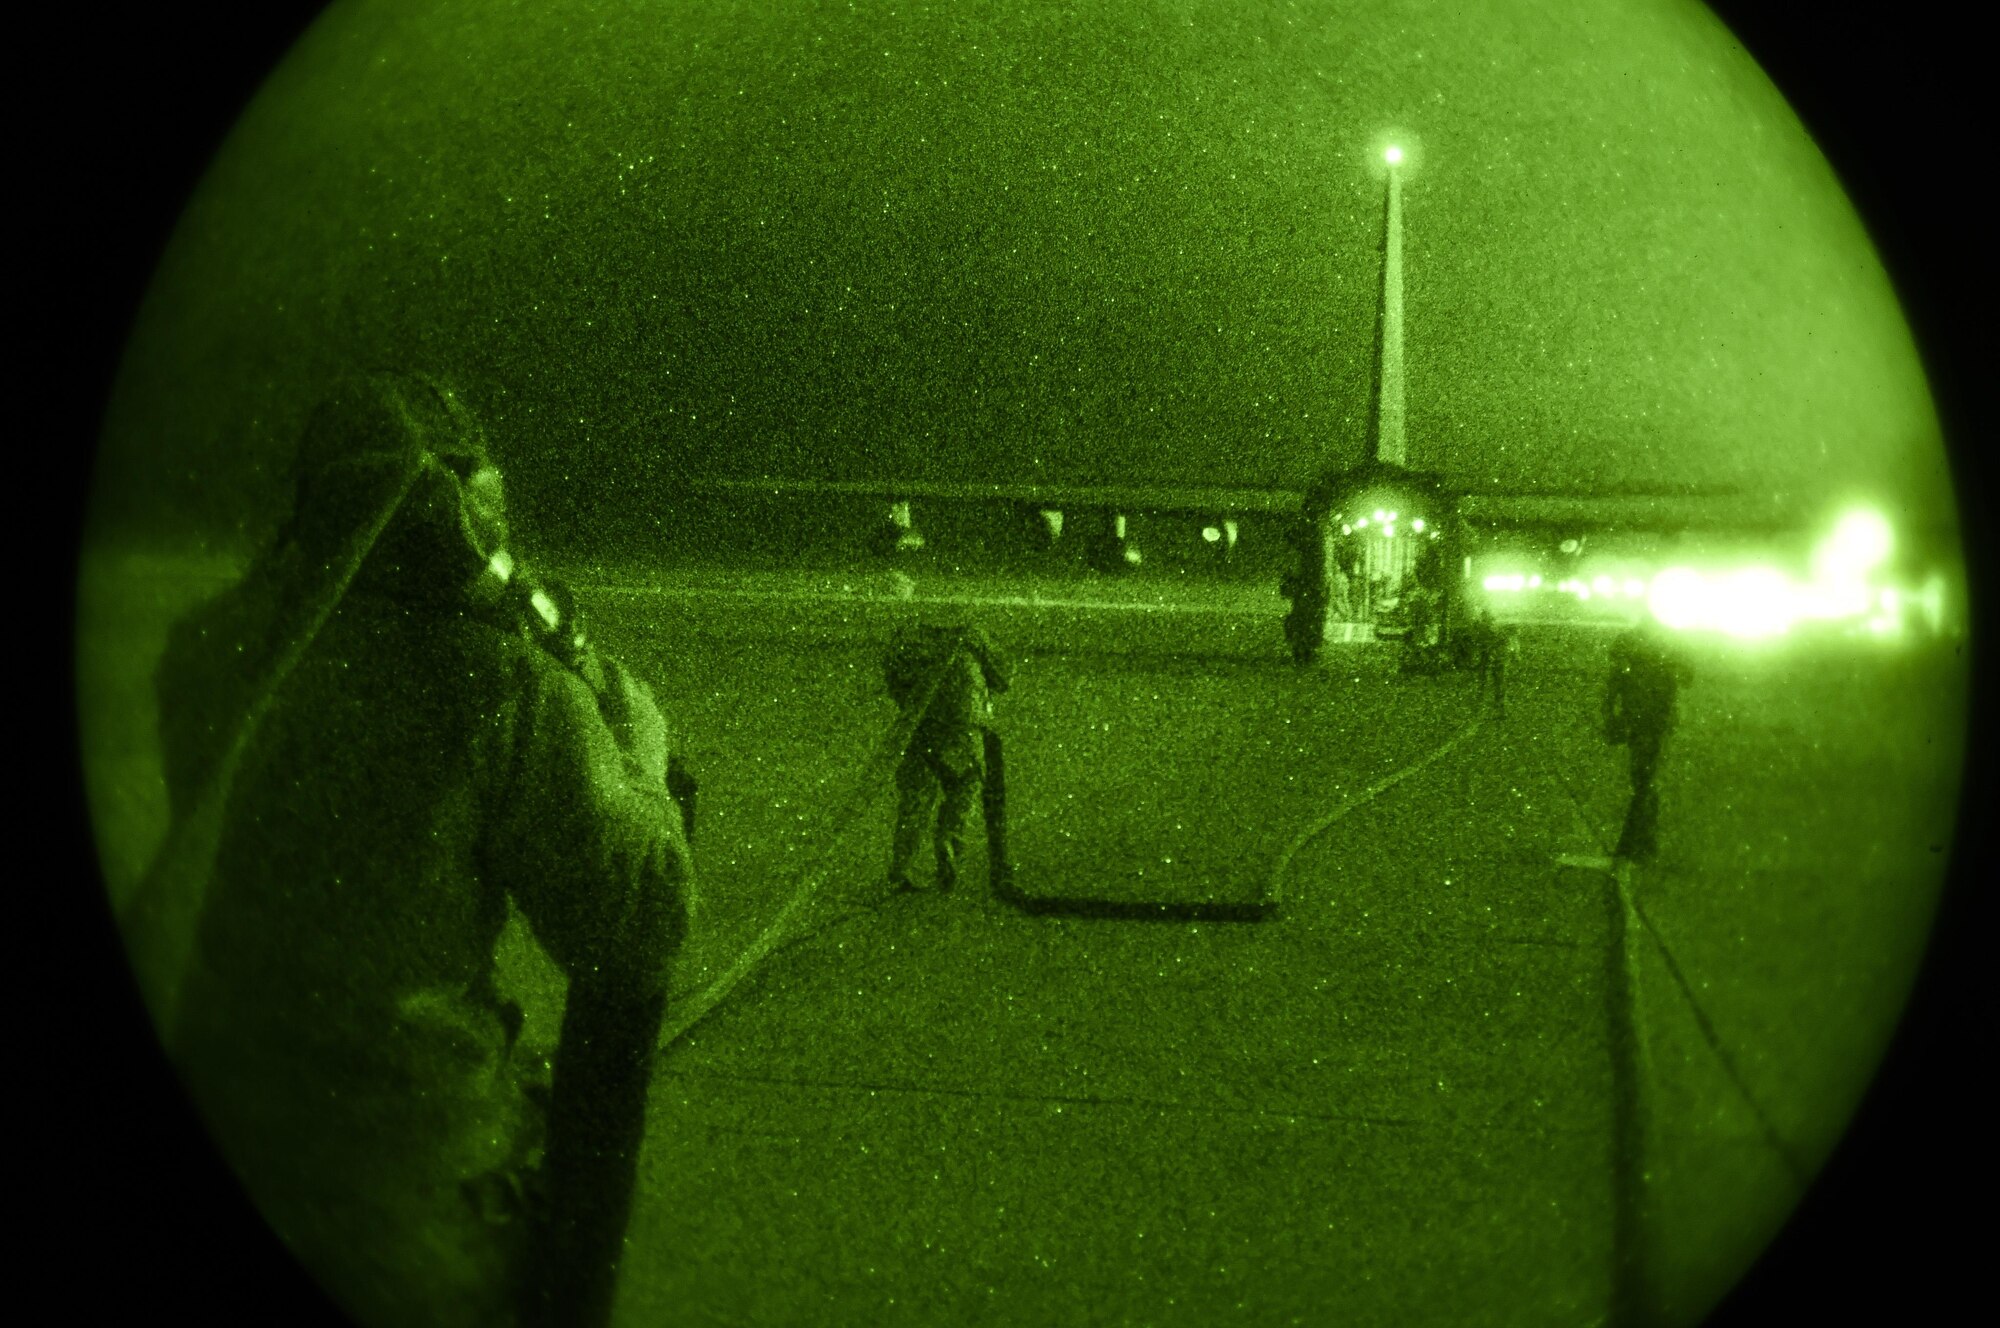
[[1392, 1101]]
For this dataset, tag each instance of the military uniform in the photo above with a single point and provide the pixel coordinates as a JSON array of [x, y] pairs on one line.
[[1491, 648], [1641, 698], [425, 763], [938, 779], [1308, 585], [1339, 598], [1418, 656], [1506, 644]]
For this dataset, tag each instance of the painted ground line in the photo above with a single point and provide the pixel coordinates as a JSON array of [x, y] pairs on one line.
[[1797, 1170], [1622, 869]]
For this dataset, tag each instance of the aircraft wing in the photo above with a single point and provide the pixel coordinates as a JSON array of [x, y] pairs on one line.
[[1663, 510], [1572, 510], [1114, 497]]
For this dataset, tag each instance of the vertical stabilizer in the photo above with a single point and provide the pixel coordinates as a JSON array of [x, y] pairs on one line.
[[1389, 448]]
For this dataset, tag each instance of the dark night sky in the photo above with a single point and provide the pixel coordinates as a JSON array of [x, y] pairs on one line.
[[1132, 240]]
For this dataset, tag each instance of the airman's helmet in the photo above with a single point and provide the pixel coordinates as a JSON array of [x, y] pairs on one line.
[[383, 434]]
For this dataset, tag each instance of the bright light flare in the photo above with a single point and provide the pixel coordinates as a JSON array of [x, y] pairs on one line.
[[1679, 598], [1758, 602], [1860, 543], [1842, 565], [1752, 603], [1393, 155]]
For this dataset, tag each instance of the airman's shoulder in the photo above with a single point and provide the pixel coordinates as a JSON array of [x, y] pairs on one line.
[[511, 659]]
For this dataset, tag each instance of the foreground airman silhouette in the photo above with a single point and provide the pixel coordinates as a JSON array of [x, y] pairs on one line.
[[407, 747]]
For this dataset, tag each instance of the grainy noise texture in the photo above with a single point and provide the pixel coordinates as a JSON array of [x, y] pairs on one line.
[[1313, 657]]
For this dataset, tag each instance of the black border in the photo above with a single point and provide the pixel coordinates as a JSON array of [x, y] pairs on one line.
[[141, 1215], [142, 1218], [1886, 1233]]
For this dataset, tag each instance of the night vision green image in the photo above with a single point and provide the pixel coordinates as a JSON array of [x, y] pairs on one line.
[[1166, 662]]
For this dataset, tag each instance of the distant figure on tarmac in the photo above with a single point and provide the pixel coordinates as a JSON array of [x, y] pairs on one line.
[[1339, 600], [1490, 648], [1424, 590], [1307, 585], [1418, 656], [1641, 697], [951, 672]]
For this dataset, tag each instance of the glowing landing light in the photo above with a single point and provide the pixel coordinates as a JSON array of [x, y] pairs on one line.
[[1417, 525], [1677, 597], [1212, 534], [1888, 620], [1754, 602], [1380, 515], [1860, 543], [1759, 602], [1505, 581], [1394, 156]]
